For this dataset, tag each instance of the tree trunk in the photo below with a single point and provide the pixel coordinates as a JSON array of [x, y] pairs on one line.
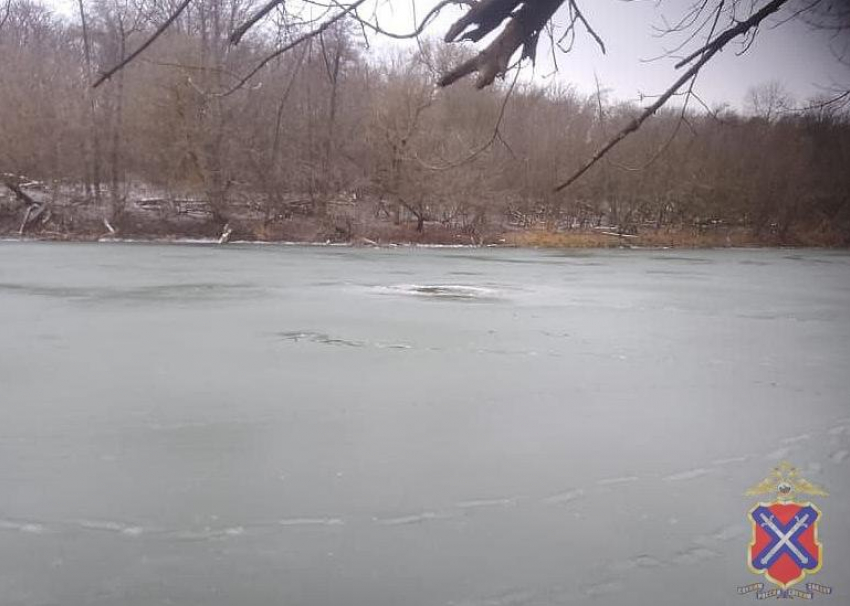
[[94, 156]]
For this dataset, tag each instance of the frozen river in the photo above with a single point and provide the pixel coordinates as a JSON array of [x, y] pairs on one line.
[[271, 425]]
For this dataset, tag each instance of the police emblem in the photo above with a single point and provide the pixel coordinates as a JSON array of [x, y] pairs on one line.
[[784, 546]]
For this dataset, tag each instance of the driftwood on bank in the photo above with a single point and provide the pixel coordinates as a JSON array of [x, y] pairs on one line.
[[108, 226], [19, 193], [224, 238], [35, 210]]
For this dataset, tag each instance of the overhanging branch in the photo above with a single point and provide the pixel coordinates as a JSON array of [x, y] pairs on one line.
[[705, 54], [525, 22]]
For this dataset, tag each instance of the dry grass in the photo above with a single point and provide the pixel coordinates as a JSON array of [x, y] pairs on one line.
[[677, 238], [572, 239], [83, 222]]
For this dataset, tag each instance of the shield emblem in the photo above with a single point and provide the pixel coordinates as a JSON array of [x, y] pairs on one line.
[[785, 543]]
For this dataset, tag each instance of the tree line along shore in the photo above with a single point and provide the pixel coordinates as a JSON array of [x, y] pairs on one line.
[[336, 143]]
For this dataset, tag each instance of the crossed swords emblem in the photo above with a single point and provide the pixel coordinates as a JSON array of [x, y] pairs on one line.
[[784, 538]]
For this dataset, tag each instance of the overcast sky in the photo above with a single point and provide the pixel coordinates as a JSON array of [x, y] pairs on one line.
[[791, 53]]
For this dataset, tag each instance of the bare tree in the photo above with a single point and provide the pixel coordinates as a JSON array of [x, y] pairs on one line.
[[517, 26], [330, 140], [769, 100]]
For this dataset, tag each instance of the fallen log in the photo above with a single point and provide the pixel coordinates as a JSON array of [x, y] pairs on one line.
[[21, 195], [615, 234], [225, 234], [108, 226], [35, 209]]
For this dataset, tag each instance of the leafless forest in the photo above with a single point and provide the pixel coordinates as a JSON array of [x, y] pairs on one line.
[[333, 141]]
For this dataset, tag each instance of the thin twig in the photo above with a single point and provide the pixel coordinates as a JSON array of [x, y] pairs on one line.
[[580, 16], [160, 30], [287, 47], [487, 144], [240, 31], [708, 51]]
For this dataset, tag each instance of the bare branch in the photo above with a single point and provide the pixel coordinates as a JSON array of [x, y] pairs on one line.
[[21, 194], [522, 30], [7, 11], [240, 31], [837, 101], [160, 30], [287, 47], [580, 16], [708, 51], [497, 135], [419, 28]]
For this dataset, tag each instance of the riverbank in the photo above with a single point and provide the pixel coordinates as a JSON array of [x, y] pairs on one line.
[[36, 212], [440, 238], [531, 240]]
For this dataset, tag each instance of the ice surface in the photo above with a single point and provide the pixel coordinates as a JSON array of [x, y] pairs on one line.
[[255, 425]]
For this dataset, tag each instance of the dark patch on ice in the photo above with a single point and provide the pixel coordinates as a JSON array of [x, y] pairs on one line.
[[759, 316], [157, 293], [199, 290], [499, 259], [839, 456], [459, 292], [690, 275], [808, 260], [60, 292], [683, 259], [576, 257], [311, 336]]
